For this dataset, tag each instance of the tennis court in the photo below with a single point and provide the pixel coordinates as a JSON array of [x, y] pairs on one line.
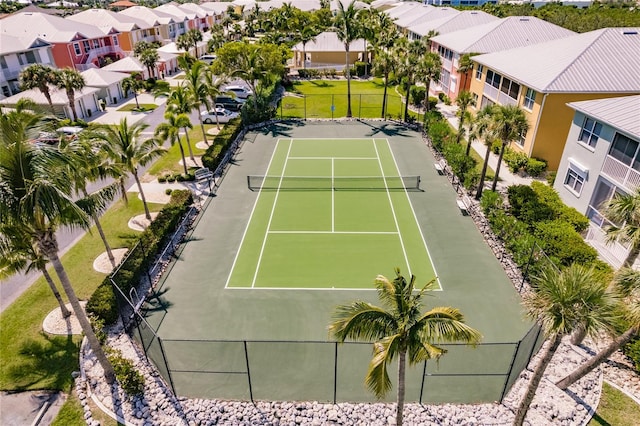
[[322, 202], [305, 218]]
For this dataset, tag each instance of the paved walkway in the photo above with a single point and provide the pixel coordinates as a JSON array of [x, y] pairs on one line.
[[111, 115]]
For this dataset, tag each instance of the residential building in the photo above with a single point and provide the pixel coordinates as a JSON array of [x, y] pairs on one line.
[[73, 44], [543, 78], [86, 101], [203, 18], [17, 53], [130, 29], [459, 2], [327, 51], [495, 36], [185, 20], [129, 65], [445, 22], [164, 22], [217, 8], [108, 83], [601, 159]]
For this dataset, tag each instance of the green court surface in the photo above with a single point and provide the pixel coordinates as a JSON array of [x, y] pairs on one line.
[[243, 309], [323, 202]]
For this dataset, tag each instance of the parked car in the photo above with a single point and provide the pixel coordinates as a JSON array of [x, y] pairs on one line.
[[223, 116], [227, 102], [52, 138], [240, 91], [207, 59]]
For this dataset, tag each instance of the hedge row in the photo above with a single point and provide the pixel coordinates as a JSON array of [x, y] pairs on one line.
[[102, 303], [215, 152]]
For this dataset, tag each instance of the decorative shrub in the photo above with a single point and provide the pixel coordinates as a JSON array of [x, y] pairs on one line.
[[215, 152], [179, 178], [551, 178], [168, 191], [189, 177], [102, 303], [130, 379], [535, 167], [550, 197], [490, 202], [496, 146], [632, 350], [171, 179], [162, 179], [515, 160], [440, 133], [559, 240], [97, 324], [460, 164], [417, 95], [361, 68]]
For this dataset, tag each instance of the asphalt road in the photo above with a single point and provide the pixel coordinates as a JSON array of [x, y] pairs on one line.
[[12, 288]]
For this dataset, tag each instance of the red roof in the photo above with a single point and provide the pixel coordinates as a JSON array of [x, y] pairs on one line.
[[123, 3]]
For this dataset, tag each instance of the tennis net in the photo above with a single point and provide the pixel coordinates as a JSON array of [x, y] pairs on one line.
[[327, 183]]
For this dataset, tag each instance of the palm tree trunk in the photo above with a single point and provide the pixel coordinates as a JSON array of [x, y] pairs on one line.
[[384, 96], [468, 147], [184, 160], [426, 99], [56, 293], [304, 55], [147, 214], [632, 256], [186, 136], [595, 361], [483, 174], [406, 101], [107, 247], [402, 362], [495, 178], [346, 47], [204, 134], [47, 95], [460, 129], [124, 192], [49, 247], [72, 105], [578, 336], [135, 95], [535, 380]]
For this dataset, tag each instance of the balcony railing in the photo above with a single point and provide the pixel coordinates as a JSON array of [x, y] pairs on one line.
[[499, 97], [100, 51], [621, 173], [446, 64]]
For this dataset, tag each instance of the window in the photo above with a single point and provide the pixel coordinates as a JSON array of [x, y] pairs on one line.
[[509, 87], [115, 40], [444, 79], [86, 45], [3, 62], [475, 98], [522, 138], [493, 79], [529, 99], [76, 47], [590, 132], [486, 102], [624, 149], [479, 72], [574, 180], [96, 43], [31, 58]]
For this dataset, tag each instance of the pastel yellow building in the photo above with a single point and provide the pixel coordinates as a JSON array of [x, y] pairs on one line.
[[543, 78]]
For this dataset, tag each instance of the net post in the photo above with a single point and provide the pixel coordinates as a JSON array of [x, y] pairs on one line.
[[246, 358], [424, 374], [249, 182], [506, 380]]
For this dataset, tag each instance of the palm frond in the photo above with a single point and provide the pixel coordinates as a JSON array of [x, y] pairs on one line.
[[361, 321], [377, 378], [446, 324]]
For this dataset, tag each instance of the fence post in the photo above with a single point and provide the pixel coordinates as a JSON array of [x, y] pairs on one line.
[[526, 269], [360, 106], [137, 325], [332, 106], [166, 363], [246, 358], [533, 347], [305, 106], [424, 373], [335, 372], [513, 360], [281, 115]]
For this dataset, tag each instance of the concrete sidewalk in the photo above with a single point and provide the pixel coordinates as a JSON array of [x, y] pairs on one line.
[[506, 177], [111, 115]]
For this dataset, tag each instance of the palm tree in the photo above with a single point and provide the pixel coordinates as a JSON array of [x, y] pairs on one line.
[[508, 124], [624, 209], [170, 130], [480, 129], [384, 61], [126, 151], [71, 80], [465, 64], [36, 202], [187, 40], [133, 83], [399, 328], [307, 33], [563, 302], [463, 101], [213, 84], [180, 101], [626, 284], [149, 58], [18, 254], [429, 70], [408, 54], [217, 38], [41, 77], [346, 24], [196, 86]]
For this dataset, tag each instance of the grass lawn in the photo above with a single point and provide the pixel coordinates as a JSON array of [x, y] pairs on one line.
[[320, 95], [31, 359], [72, 414], [143, 107], [169, 163], [615, 409]]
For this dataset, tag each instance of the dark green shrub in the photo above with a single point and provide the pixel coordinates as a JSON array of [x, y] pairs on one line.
[[130, 379], [460, 164], [97, 324], [496, 146], [417, 95], [179, 178], [515, 160], [102, 304], [535, 167], [471, 178], [168, 191], [551, 178], [440, 133], [433, 101], [215, 152], [162, 179], [550, 197], [559, 240], [526, 206], [361, 68], [189, 177], [632, 350], [171, 179], [490, 202], [150, 84]]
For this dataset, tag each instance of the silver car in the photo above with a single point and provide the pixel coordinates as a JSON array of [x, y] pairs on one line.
[[223, 116]]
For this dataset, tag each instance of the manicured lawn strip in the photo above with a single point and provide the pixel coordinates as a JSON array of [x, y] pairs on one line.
[[170, 161], [30, 359], [143, 107], [615, 409], [72, 414]]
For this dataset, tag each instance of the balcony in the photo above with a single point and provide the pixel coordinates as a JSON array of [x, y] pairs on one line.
[[612, 253], [11, 73], [621, 174], [497, 96], [446, 64], [101, 51]]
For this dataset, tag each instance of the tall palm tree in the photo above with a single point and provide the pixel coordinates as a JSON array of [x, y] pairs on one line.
[[429, 70], [563, 302], [399, 328], [189, 39], [18, 254], [150, 58], [347, 30], [125, 150], [626, 284], [307, 33], [213, 84], [509, 123], [624, 209], [170, 131], [36, 202], [196, 86], [71, 80], [179, 101], [463, 101], [409, 54], [480, 129], [133, 83], [465, 65], [41, 77], [384, 61]]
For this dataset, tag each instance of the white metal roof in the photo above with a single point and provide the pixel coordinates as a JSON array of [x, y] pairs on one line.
[[58, 96], [176, 12], [450, 20], [127, 64], [405, 7], [106, 19], [329, 42], [47, 27], [216, 7], [151, 16], [502, 34], [11, 44], [420, 14], [600, 61], [100, 77], [622, 113], [200, 12]]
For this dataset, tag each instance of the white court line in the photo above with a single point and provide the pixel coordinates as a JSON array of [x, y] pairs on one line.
[[337, 232], [330, 158], [303, 288], [273, 209], [333, 197], [415, 217], [253, 209], [393, 210]]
